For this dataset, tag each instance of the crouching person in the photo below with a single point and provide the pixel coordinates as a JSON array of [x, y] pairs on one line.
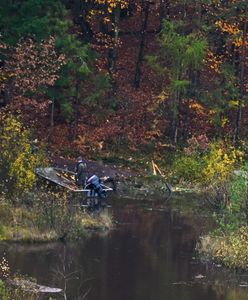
[[94, 183]]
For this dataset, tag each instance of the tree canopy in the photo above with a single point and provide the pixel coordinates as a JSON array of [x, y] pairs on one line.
[[117, 75]]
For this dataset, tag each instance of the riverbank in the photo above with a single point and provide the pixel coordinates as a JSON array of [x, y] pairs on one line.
[[48, 217], [48, 220], [229, 249], [48, 213]]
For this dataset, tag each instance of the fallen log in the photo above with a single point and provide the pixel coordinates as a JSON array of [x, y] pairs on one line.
[[32, 287]]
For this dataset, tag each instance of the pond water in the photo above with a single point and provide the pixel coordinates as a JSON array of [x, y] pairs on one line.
[[150, 254]]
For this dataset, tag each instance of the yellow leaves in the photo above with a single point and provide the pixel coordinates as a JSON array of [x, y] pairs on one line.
[[198, 107], [221, 161], [234, 103], [16, 155], [237, 35], [110, 4], [158, 100], [110, 10], [230, 249], [163, 96], [239, 41], [229, 28], [214, 61], [224, 122]]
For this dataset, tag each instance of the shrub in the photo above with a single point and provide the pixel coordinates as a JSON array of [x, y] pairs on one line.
[[17, 158], [188, 168], [230, 249], [221, 160], [233, 249], [206, 163], [239, 196], [4, 293]]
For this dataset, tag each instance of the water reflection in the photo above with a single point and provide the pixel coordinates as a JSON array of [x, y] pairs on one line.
[[149, 255]]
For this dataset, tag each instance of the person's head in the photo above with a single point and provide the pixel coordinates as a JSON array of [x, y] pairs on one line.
[[79, 158]]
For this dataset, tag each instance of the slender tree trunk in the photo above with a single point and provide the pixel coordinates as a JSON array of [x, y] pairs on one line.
[[79, 11], [175, 106], [6, 97], [246, 205], [52, 115], [113, 53], [199, 12], [137, 77], [76, 109], [164, 12], [242, 86], [174, 127]]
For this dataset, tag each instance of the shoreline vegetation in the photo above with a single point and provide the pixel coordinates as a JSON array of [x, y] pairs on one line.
[[25, 223], [227, 249], [51, 221], [33, 213]]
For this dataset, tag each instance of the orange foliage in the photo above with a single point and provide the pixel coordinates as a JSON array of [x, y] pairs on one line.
[[236, 34], [214, 61]]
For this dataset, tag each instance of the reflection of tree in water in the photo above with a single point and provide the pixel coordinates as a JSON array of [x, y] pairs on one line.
[[69, 277], [232, 293], [226, 284]]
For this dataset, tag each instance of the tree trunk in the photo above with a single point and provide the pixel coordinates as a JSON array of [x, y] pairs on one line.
[[163, 12], [137, 77], [76, 116], [174, 127], [79, 11], [52, 115], [113, 53], [242, 86]]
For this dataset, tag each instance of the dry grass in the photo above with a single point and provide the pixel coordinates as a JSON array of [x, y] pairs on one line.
[[230, 249], [28, 224]]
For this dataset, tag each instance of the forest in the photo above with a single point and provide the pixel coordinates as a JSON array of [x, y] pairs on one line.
[[130, 82], [105, 75]]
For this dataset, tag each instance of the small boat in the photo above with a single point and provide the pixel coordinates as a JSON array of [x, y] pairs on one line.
[[66, 179]]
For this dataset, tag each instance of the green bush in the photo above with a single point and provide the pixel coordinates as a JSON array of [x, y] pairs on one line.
[[234, 213], [188, 168], [239, 196], [4, 293], [211, 165]]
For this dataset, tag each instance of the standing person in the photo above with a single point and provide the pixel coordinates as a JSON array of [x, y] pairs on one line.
[[81, 171]]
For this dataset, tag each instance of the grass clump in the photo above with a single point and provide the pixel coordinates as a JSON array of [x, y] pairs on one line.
[[52, 215], [229, 249]]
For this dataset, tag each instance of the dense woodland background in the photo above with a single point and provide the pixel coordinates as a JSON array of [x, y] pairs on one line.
[[101, 75], [159, 86]]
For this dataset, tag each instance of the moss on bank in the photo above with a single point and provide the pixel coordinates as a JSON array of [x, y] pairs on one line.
[[231, 249]]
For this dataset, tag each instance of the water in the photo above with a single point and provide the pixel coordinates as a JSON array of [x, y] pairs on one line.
[[148, 255]]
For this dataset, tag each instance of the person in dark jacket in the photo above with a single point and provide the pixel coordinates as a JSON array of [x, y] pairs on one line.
[[81, 172]]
